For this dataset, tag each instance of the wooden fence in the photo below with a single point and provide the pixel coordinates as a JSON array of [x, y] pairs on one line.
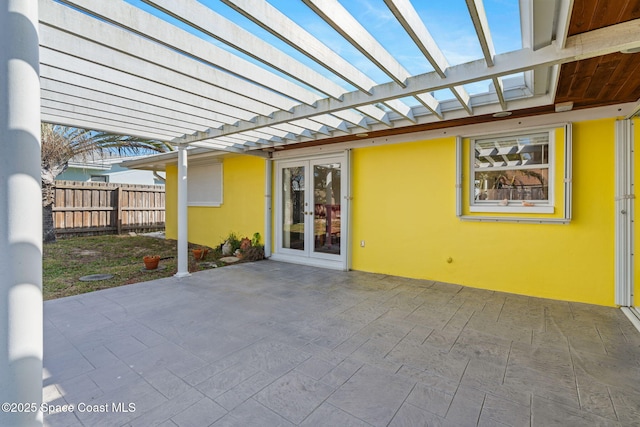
[[105, 208]]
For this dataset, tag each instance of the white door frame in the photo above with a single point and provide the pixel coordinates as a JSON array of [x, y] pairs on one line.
[[624, 220], [308, 256]]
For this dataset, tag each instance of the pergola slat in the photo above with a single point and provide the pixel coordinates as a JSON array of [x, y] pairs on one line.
[[71, 119], [63, 91], [593, 43], [110, 44], [135, 117], [149, 26], [344, 23], [481, 24], [288, 31], [199, 94], [297, 37], [214, 25], [143, 93], [404, 11]]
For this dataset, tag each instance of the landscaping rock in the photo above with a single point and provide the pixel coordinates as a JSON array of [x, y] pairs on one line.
[[229, 259], [226, 248], [96, 277]]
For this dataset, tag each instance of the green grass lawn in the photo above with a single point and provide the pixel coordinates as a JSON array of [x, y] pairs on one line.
[[66, 260]]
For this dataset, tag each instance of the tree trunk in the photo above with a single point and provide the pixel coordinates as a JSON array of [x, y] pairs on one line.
[[48, 225]]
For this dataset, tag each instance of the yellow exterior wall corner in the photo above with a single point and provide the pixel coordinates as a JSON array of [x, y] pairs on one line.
[[242, 209]]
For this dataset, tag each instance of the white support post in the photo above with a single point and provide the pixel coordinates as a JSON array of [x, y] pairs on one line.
[[21, 342], [183, 231], [624, 214], [268, 216], [459, 176]]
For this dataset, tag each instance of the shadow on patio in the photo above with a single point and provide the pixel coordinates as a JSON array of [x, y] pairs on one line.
[[273, 344]]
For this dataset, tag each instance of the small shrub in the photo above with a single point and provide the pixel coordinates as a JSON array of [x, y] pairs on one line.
[[217, 252], [234, 241], [253, 253], [250, 249], [255, 241]]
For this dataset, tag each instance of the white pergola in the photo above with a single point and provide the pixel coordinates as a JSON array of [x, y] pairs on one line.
[[115, 67], [207, 82]]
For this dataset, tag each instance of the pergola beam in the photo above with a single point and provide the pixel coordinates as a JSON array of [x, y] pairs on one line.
[[291, 33], [162, 74], [202, 18], [78, 95], [148, 26], [147, 82], [408, 17], [586, 45], [71, 119], [64, 102], [133, 55], [146, 93], [287, 30], [345, 24]]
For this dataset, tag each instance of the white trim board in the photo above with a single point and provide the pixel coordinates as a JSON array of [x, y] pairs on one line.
[[633, 316], [494, 127]]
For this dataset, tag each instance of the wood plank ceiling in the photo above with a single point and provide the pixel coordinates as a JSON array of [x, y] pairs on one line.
[[604, 80]]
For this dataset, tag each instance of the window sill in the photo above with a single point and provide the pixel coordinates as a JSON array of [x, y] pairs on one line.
[[514, 219], [205, 204], [512, 209]]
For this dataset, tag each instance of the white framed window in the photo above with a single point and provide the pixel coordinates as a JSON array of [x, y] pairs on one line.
[[513, 173], [205, 185], [99, 178]]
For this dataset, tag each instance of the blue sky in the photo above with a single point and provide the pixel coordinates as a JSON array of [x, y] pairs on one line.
[[447, 20]]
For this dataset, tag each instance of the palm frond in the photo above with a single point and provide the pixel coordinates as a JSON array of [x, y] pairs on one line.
[[60, 144]]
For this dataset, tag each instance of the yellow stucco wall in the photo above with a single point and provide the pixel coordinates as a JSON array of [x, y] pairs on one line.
[[404, 210], [242, 210]]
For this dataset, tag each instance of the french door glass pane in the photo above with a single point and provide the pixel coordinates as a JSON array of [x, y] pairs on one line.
[[326, 204], [293, 207]]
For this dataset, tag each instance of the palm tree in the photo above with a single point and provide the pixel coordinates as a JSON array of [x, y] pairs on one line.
[[60, 144]]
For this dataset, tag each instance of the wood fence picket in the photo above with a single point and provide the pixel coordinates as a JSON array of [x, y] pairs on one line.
[[83, 208]]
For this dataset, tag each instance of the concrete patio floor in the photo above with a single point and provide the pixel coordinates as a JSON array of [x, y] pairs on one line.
[[274, 344]]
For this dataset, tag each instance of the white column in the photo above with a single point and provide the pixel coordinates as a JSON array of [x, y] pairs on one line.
[[20, 213], [183, 239], [267, 208], [624, 197]]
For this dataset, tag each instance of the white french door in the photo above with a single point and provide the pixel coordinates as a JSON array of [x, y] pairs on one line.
[[311, 217]]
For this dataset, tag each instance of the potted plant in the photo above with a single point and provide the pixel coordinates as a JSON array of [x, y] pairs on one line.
[[151, 261], [200, 253]]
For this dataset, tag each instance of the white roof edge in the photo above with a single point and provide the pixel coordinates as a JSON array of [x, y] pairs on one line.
[[163, 159]]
